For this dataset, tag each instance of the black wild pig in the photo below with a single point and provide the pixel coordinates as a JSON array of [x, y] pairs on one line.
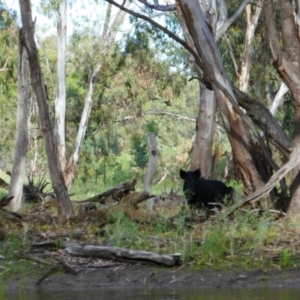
[[199, 192]]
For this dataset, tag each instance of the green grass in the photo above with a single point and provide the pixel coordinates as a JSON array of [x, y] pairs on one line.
[[245, 240], [12, 265], [249, 241]]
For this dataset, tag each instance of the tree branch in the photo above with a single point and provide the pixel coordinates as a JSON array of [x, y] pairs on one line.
[[222, 26], [280, 174], [272, 33], [167, 7], [165, 30], [3, 69], [158, 113]]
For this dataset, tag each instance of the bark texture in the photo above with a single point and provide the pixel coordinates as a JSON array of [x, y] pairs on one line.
[[202, 157], [60, 101], [21, 145], [286, 60]]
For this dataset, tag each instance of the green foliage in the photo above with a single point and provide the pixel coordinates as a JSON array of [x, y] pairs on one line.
[[227, 243], [285, 259], [8, 82], [17, 267], [139, 149]]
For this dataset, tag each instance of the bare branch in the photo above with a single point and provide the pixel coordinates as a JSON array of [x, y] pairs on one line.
[[158, 113], [150, 112], [285, 169], [223, 25], [3, 69], [107, 20], [156, 6], [279, 98], [272, 33], [223, 12], [231, 53]]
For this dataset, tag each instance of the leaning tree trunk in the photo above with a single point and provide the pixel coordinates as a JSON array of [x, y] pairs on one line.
[[108, 40], [202, 148], [240, 143], [27, 38], [73, 162], [21, 144], [286, 57]]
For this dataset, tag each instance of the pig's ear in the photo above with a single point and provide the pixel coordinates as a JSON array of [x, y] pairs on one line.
[[197, 173], [182, 174]]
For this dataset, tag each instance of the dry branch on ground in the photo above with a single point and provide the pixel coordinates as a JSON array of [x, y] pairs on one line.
[[115, 193]]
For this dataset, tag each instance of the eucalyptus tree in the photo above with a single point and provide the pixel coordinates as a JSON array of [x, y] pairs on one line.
[[249, 149], [285, 49], [209, 66], [21, 142], [27, 39], [103, 43], [9, 37]]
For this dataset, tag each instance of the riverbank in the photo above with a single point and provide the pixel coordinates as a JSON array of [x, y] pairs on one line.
[[137, 276]]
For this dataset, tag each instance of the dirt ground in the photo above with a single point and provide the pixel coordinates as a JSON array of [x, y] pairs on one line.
[[137, 276]]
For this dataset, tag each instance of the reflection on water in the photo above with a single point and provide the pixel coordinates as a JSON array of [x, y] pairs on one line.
[[163, 294]]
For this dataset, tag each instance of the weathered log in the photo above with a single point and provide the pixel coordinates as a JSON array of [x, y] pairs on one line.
[[99, 217], [129, 205], [122, 254], [116, 193]]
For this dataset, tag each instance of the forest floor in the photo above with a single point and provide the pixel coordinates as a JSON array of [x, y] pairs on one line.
[[137, 276], [269, 245]]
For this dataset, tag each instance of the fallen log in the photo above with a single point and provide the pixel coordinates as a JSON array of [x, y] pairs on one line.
[[129, 205], [116, 193], [122, 254]]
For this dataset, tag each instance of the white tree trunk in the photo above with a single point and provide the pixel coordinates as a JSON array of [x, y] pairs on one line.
[[71, 166], [244, 72], [278, 100], [19, 166], [202, 148], [205, 131], [107, 41], [60, 101], [33, 133]]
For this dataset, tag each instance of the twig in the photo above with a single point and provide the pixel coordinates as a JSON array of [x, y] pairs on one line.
[[52, 270], [33, 258]]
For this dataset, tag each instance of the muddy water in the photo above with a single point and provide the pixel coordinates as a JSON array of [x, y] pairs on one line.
[[163, 294]]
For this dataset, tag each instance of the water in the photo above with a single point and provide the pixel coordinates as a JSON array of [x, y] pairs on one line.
[[164, 294]]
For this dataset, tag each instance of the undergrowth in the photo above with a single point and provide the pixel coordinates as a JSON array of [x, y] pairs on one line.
[[247, 240]]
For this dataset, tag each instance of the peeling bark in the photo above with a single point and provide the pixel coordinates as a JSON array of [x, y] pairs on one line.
[[202, 157], [286, 56], [21, 144], [60, 100]]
